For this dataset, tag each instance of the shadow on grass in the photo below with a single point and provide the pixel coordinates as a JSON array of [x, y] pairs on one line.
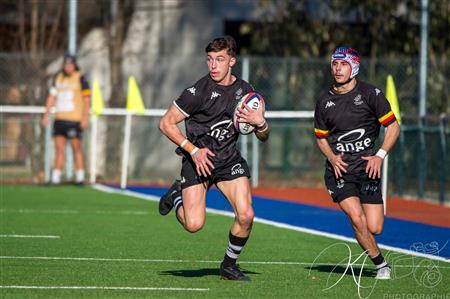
[[199, 272], [367, 272]]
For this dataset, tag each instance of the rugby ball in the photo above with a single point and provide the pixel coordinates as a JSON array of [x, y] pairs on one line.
[[255, 101]]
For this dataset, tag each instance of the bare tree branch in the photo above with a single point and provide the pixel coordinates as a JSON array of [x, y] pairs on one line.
[[34, 28], [51, 41], [22, 37]]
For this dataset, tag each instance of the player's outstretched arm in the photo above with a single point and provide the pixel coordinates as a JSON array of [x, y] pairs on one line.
[[336, 161], [373, 167]]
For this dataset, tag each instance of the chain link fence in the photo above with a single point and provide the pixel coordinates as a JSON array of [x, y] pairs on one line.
[[296, 84], [418, 164], [287, 83], [289, 158]]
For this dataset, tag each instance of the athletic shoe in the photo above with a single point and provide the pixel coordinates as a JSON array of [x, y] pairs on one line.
[[384, 273], [232, 273], [166, 201]]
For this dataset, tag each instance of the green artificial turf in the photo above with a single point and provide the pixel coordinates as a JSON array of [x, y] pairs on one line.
[[110, 240]]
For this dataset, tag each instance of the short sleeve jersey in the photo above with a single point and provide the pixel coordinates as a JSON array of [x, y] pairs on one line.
[[209, 110], [351, 122]]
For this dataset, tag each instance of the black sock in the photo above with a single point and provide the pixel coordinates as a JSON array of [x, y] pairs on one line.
[[235, 245], [379, 261]]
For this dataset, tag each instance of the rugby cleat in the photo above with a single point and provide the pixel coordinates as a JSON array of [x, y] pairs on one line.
[[232, 273], [384, 273], [166, 201]]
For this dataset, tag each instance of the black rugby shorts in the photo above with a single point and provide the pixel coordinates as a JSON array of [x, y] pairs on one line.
[[235, 168], [368, 190], [68, 129]]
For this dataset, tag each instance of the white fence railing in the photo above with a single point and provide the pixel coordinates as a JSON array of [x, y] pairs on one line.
[[246, 140], [156, 113]]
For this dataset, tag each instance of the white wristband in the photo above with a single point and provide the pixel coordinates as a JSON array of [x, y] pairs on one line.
[[381, 153], [184, 142], [194, 151], [261, 125]]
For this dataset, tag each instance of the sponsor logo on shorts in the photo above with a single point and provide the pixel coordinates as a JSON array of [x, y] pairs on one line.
[[183, 180], [371, 187], [71, 133], [237, 169], [377, 91], [340, 183], [331, 192], [352, 141]]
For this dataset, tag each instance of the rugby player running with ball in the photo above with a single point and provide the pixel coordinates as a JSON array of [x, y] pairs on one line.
[[209, 151]]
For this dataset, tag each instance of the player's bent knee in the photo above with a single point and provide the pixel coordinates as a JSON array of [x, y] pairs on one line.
[[376, 229], [246, 218], [193, 226]]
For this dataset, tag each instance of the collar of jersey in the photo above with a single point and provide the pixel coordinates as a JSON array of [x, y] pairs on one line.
[[348, 92], [224, 86]]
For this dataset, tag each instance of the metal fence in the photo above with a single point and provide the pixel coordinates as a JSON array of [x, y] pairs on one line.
[[290, 157], [418, 164], [288, 83]]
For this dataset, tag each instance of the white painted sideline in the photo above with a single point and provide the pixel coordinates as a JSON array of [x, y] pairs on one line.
[[103, 288], [273, 223], [169, 261], [34, 211], [30, 236]]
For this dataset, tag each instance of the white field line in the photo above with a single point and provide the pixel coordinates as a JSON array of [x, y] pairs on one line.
[[30, 211], [179, 261], [30, 236], [102, 288], [276, 224], [35, 211]]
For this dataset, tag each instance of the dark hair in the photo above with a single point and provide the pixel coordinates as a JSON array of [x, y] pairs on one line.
[[221, 43], [71, 59]]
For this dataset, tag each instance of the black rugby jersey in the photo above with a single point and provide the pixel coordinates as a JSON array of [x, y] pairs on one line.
[[209, 109], [351, 122]]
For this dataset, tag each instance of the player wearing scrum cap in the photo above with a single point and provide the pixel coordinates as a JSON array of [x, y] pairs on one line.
[[209, 151], [70, 94], [347, 122]]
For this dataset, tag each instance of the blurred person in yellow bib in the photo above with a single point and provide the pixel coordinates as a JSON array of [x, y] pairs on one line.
[[70, 94]]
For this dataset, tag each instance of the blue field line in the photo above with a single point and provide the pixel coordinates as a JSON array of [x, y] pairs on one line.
[[409, 235]]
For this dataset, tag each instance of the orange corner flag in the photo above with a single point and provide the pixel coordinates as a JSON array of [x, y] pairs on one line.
[[134, 98], [391, 95], [97, 99]]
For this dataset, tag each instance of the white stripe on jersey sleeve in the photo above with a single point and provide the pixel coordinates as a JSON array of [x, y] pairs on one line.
[[181, 110]]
